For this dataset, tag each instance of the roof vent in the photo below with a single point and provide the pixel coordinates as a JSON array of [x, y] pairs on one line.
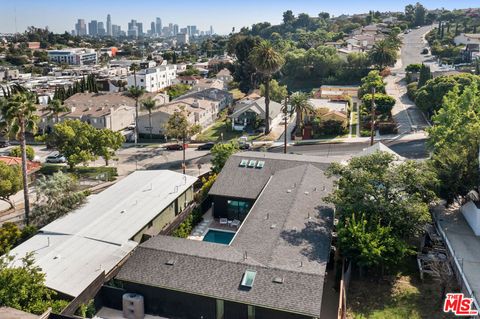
[[278, 280], [170, 262], [252, 163], [272, 226], [289, 190], [244, 163], [123, 211], [306, 193]]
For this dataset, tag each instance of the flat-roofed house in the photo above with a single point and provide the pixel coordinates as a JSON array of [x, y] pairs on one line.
[[90, 243]]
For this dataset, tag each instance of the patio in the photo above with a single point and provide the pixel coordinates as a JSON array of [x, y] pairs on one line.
[[210, 223]]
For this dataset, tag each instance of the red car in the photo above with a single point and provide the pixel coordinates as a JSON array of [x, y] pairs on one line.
[[174, 147]]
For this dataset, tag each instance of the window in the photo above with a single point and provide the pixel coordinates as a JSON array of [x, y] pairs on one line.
[[237, 209], [252, 163], [248, 278], [251, 312]]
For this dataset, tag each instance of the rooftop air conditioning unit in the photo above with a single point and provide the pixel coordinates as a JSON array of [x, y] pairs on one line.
[[133, 306]]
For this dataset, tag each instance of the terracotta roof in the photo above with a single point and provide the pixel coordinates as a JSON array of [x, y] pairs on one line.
[[31, 166]]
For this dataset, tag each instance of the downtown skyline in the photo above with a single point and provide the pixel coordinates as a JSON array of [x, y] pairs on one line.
[[18, 15]]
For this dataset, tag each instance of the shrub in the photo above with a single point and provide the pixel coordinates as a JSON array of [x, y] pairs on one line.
[[185, 228], [383, 103], [412, 90], [16, 152], [416, 67]]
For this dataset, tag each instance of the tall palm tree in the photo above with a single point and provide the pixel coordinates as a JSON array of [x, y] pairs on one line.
[[20, 111], [267, 62], [134, 68], [149, 105], [383, 54], [136, 92], [55, 107], [301, 106]]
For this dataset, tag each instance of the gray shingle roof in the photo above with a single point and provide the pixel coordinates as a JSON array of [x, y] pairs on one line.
[[286, 234], [248, 182]]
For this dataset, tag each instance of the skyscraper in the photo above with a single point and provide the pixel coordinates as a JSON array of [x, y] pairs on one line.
[[211, 30], [101, 30], [81, 27], [158, 26], [116, 30], [109, 25], [152, 29], [175, 29], [93, 28]]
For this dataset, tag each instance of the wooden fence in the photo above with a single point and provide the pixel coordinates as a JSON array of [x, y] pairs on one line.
[[344, 283]]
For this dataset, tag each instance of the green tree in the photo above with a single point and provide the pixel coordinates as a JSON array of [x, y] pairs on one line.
[[301, 106], [17, 152], [177, 90], [420, 14], [383, 103], [55, 107], [106, 142], [57, 195], [75, 140], [149, 105], [372, 80], [425, 75], [23, 287], [383, 54], [455, 139], [178, 126], [10, 235], [220, 154], [288, 17], [20, 113], [267, 62], [277, 92], [429, 98], [10, 182], [395, 196], [369, 244]]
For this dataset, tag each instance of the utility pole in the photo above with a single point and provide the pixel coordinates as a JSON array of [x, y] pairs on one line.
[[285, 110], [372, 128]]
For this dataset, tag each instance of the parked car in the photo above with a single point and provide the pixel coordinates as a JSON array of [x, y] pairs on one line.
[[425, 51], [4, 144], [174, 147], [206, 146], [244, 146], [56, 158]]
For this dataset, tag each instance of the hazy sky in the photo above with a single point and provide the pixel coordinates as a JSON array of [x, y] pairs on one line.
[[61, 16]]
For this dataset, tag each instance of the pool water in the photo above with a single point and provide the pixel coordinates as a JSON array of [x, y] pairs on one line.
[[218, 236]]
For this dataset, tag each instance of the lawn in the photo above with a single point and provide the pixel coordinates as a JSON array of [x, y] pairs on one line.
[[214, 133], [395, 297], [106, 173]]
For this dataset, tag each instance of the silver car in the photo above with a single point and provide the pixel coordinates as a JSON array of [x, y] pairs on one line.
[[56, 158]]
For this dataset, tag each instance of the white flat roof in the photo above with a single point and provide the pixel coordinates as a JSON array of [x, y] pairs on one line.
[[73, 250]]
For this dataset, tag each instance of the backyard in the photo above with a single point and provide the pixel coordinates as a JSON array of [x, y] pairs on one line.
[[395, 297]]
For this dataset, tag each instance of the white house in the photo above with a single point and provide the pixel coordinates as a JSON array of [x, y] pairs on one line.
[[467, 38], [247, 113], [154, 79]]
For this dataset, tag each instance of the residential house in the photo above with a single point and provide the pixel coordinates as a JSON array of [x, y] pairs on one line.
[[189, 79], [198, 112], [467, 38], [154, 79], [223, 97], [204, 84], [225, 75], [273, 267], [89, 244], [246, 115], [336, 92], [114, 111]]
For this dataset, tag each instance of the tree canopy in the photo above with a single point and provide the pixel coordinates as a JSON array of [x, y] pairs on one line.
[[10, 181], [220, 154], [381, 202]]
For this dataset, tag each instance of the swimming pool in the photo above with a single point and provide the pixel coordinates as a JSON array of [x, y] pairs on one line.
[[219, 236]]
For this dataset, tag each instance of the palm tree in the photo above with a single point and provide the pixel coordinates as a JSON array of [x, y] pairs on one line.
[[301, 106], [55, 107], [19, 112], [267, 62], [136, 92], [134, 68], [149, 105], [383, 54]]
